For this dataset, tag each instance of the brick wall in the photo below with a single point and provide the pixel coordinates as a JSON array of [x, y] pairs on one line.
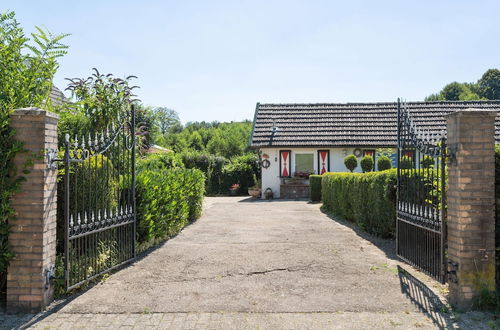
[[33, 231], [471, 205], [294, 191]]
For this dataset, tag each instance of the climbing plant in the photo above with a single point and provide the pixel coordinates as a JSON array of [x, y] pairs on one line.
[[27, 68]]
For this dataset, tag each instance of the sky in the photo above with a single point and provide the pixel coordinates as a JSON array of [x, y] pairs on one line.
[[214, 60]]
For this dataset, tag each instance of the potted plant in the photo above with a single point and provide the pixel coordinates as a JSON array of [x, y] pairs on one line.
[[256, 190], [233, 190]]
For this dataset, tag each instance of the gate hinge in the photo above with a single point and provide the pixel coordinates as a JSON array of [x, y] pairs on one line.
[[52, 159]]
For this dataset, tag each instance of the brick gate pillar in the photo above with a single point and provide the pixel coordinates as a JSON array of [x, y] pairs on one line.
[[33, 232], [471, 205]]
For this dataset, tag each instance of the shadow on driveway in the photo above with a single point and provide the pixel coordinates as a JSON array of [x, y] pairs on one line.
[[425, 299]]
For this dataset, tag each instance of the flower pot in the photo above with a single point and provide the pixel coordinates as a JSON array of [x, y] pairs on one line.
[[254, 192], [233, 192]]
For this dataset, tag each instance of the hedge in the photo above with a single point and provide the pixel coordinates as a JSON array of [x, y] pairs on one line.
[[315, 187], [367, 199], [221, 173], [167, 199]]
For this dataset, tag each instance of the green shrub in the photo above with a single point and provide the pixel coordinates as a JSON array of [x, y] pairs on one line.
[[315, 187], [351, 162], [241, 170], [384, 163], [427, 162], [95, 184], [27, 70], [367, 199], [406, 162], [159, 161], [167, 200], [367, 163]]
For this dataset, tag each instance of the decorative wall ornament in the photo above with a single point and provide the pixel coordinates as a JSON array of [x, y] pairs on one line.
[[266, 163], [323, 161], [285, 160], [357, 152]]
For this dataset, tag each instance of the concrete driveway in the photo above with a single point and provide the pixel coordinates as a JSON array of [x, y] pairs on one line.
[[259, 264]]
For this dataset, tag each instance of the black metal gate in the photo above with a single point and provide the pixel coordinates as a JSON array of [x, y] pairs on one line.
[[99, 200], [421, 201]]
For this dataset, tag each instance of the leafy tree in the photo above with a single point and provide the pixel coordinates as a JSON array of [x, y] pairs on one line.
[[102, 97], [166, 118], [489, 84], [351, 162], [26, 74], [196, 141]]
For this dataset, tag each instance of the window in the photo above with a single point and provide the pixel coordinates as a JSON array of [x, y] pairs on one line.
[[304, 163]]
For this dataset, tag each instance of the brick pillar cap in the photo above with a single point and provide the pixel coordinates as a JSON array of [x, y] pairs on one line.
[[35, 112], [472, 112]]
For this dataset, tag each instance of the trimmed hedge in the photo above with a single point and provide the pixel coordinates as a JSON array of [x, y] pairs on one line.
[[367, 199], [167, 199], [315, 187]]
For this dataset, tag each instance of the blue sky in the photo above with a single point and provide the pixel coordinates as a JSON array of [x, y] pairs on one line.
[[213, 60]]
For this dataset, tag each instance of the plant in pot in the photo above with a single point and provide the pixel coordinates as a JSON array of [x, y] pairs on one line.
[[233, 190], [256, 190]]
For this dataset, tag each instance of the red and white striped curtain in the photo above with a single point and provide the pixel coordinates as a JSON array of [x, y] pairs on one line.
[[323, 161], [285, 160]]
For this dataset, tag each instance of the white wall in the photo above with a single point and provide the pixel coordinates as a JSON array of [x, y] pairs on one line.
[[271, 175]]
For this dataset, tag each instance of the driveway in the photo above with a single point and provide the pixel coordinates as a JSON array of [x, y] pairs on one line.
[[259, 264]]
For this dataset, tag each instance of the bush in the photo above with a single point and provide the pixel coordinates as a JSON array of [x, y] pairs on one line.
[[95, 183], [367, 163], [160, 161], [367, 199], [406, 163], [384, 163], [351, 162], [241, 170], [167, 200], [315, 187], [427, 162]]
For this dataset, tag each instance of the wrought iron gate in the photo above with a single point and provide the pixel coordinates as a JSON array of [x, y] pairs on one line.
[[99, 200], [421, 202]]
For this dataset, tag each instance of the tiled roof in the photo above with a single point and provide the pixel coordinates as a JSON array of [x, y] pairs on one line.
[[350, 124]]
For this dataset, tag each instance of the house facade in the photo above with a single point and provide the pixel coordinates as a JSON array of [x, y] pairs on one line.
[[294, 139]]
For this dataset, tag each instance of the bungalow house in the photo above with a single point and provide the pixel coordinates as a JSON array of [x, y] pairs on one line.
[[315, 138]]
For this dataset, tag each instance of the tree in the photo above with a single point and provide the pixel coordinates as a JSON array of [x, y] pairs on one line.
[[489, 84], [384, 163], [195, 141], [367, 163], [351, 162], [452, 91], [166, 118], [26, 74]]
